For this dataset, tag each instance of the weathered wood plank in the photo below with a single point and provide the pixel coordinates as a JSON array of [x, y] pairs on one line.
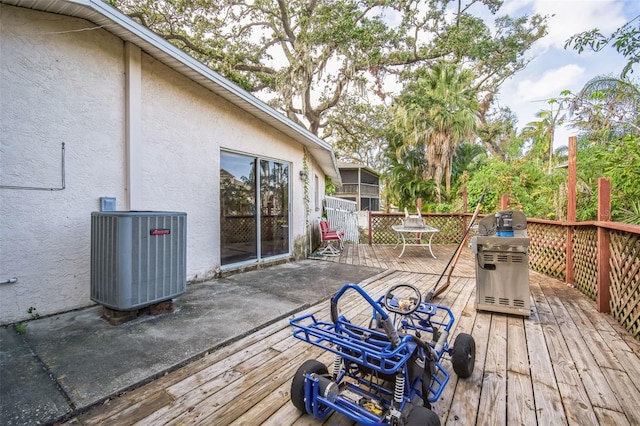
[[492, 408], [203, 404], [520, 400], [141, 396], [600, 393], [576, 403], [537, 370], [626, 392], [599, 348], [548, 402], [465, 319], [140, 410], [262, 390], [286, 415], [466, 398], [517, 359], [608, 417], [265, 408]]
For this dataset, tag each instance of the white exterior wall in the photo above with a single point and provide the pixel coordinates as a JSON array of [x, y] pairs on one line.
[[181, 170], [58, 85]]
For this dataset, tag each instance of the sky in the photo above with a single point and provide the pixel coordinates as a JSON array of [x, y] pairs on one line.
[[554, 69]]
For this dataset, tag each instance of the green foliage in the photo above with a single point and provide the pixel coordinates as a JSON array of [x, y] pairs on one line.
[[468, 157], [606, 109], [404, 176], [21, 328], [309, 57], [353, 121], [497, 130], [617, 161], [540, 133], [543, 195], [436, 113], [329, 186], [529, 188], [626, 41], [630, 215]]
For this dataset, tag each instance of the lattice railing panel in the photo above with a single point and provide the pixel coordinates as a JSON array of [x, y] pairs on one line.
[[585, 259], [548, 249], [625, 280], [450, 228], [381, 227], [548, 255], [238, 229]]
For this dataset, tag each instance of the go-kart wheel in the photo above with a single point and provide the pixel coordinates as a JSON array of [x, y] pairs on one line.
[[297, 385], [422, 416], [402, 299], [463, 355]]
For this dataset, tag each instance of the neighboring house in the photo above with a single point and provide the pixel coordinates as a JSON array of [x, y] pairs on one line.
[[360, 184], [94, 105]]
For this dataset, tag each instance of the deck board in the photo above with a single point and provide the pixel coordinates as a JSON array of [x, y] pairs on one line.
[[548, 402], [564, 364], [520, 402]]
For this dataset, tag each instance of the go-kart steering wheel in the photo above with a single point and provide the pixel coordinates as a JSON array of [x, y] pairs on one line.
[[402, 299]]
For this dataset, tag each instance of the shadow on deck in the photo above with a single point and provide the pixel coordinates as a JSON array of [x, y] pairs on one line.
[[564, 364]]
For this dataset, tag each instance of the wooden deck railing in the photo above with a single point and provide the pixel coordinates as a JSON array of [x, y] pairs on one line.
[[601, 259]]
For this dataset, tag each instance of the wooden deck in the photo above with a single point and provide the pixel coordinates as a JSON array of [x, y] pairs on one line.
[[565, 364]]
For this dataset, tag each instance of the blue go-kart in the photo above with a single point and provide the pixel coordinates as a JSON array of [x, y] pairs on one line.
[[386, 372]]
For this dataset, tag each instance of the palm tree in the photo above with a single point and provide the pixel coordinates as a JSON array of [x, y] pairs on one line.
[[542, 132], [467, 156], [404, 182], [438, 111], [608, 107]]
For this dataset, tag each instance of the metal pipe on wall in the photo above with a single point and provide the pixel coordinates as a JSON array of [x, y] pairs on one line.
[[37, 188]]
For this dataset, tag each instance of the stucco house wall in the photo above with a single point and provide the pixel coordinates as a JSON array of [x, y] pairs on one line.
[[62, 80], [189, 154]]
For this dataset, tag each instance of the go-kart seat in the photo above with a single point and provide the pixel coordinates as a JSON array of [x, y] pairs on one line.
[[417, 366]]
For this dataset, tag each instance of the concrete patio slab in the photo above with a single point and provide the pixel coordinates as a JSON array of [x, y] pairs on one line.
[[68, 362]]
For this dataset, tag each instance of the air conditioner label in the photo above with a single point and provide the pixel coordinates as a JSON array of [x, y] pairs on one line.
[[160, 232]]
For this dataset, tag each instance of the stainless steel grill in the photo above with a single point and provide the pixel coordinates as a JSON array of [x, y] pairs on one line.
[[502, 268]]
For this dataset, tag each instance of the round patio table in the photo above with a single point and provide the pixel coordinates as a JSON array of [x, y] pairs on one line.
[[412, 236]]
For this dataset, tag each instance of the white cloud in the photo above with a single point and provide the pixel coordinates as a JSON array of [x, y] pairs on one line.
[[555, 69], [549, 84], [513, 7], [569, 17]]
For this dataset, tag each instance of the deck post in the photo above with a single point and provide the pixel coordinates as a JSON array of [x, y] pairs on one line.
[[464, 191], [603, 298], [370, 230], [504, 202], [571, 207], [465, 196]]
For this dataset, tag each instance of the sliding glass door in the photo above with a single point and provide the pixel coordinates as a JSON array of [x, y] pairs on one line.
[[274, 208], [254, 208], [237, 208]]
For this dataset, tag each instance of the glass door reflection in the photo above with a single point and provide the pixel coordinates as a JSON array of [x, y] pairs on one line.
[[274, 208], [254, 208], [238, 230]]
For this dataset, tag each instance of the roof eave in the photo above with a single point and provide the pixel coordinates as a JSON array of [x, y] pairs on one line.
[[127, 29]]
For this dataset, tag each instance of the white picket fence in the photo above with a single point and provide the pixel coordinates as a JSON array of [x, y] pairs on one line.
[[343, 215]]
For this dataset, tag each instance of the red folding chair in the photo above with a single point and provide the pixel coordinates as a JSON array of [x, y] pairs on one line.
[[329, 237]]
